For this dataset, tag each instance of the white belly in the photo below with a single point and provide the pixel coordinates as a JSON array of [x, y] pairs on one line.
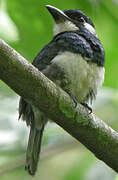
[[84, 76]]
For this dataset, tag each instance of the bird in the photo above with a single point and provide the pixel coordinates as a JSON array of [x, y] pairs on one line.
[[74, 60]]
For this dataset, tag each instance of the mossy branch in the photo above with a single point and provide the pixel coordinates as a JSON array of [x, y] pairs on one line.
[[38, 90]]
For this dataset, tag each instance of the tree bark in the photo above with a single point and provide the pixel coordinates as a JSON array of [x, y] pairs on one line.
[[35, 88]]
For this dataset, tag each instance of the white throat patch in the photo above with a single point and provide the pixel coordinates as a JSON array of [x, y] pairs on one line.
[[90, 28], [69, 26], [65, 26]]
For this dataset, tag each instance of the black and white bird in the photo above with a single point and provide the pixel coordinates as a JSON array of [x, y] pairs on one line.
[[74, 60]]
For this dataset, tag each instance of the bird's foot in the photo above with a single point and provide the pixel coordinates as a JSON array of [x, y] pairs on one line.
[[73, 97], [89, 108], [76, 101]]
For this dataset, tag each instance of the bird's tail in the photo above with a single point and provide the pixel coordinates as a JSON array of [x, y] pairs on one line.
[[33, 149]]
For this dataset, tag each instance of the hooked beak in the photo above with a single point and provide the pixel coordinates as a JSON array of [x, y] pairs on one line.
[[58, 15]]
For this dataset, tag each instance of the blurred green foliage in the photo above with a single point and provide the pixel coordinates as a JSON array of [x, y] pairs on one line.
[[27, 26], [34, 25]]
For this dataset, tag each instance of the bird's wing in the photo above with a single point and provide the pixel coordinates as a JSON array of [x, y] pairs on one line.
[[68, 41]]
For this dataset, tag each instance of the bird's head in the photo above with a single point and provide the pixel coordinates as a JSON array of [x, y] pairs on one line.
[[70, 20]]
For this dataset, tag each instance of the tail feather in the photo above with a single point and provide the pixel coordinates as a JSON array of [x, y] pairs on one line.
[[33, 149]]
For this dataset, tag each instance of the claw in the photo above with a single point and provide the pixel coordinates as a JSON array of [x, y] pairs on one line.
[[73, 97], [76, 101], [89, 108]]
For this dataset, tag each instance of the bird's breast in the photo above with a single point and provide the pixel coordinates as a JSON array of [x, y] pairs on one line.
[[72, 72]]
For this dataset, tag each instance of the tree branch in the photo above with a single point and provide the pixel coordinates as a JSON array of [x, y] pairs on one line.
[[38, 90]]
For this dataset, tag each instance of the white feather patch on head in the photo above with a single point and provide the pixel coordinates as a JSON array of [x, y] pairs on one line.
[[65, 26], [90, 28]]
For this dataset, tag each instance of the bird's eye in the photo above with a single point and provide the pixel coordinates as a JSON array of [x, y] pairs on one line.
[[81, 19]]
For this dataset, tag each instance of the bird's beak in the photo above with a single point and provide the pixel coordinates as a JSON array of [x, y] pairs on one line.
[[58, 15]]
